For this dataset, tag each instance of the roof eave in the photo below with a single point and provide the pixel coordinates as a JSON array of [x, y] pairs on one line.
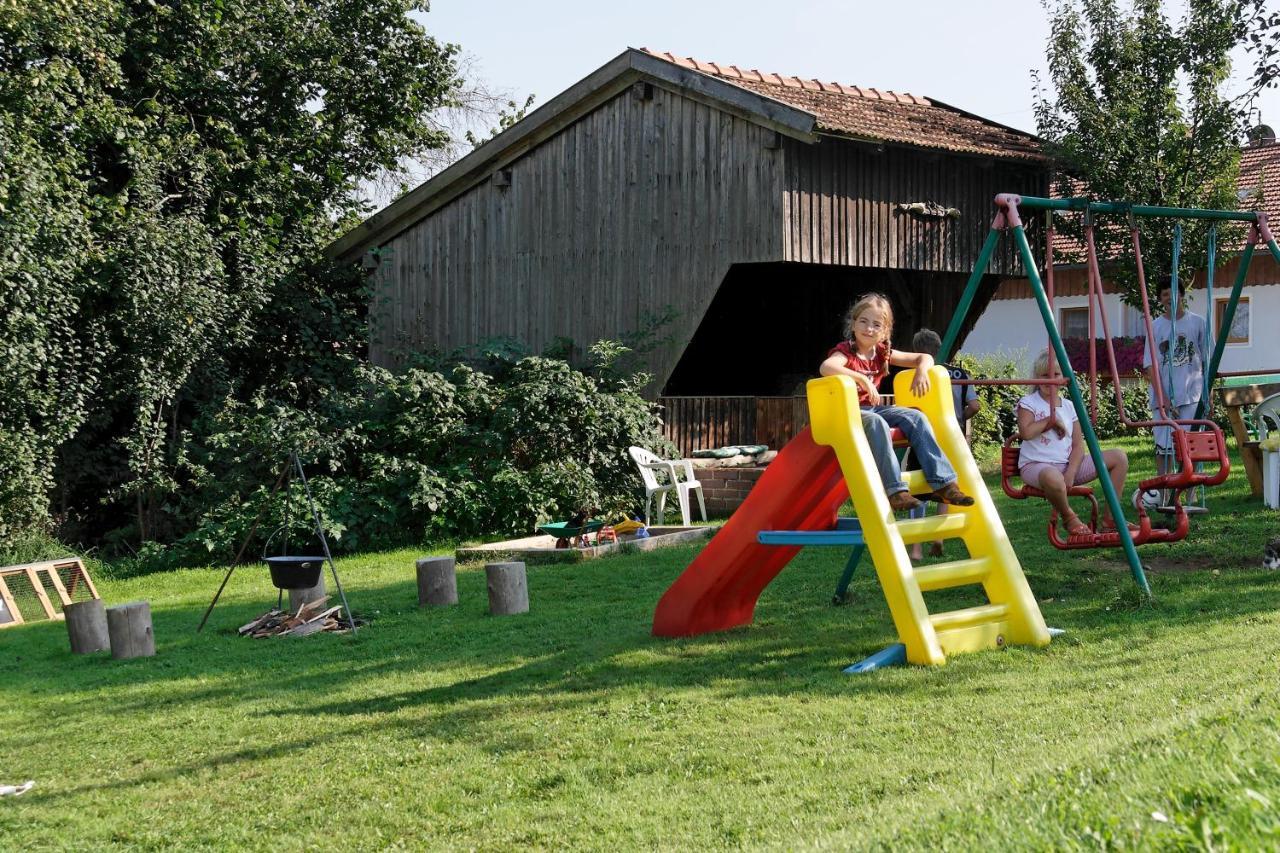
[[605, 82]]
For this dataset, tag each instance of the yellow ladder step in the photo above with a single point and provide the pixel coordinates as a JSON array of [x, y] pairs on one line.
[[969, 616], [916, 483], [927, 529], [955, 573]]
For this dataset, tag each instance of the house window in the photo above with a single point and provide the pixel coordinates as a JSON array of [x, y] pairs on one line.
[[1239, 331], [1074, 322]]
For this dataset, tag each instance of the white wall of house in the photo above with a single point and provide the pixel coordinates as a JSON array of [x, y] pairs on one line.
[[1013, 327]]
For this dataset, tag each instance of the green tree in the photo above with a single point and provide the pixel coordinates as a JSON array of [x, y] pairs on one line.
[[1137, 111], [169, 170]]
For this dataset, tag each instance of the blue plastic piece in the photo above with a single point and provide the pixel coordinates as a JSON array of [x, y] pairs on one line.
[[895, 655], [810, 537]]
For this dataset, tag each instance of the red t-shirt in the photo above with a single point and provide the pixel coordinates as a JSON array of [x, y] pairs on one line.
[[874, 368]]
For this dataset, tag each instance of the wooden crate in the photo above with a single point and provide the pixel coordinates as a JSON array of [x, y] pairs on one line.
[[38, 591]]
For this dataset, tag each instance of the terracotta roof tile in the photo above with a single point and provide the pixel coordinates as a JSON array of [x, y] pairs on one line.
[[876, 115]]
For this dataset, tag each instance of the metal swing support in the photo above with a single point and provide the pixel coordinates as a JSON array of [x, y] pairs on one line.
[[1008, 217]]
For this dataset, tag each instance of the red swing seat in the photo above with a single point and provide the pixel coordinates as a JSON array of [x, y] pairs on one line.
[[1095, 539]]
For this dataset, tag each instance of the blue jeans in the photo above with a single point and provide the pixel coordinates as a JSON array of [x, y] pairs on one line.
[[877, 421]]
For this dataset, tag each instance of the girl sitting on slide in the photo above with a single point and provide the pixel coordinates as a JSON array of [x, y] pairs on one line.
[[865, 355]]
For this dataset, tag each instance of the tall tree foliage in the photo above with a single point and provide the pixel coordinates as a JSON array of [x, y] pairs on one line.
[[168, 168], [1138, 111]]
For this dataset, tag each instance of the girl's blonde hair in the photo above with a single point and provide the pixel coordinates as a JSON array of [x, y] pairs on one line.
[[1041, 367], [869, 300]]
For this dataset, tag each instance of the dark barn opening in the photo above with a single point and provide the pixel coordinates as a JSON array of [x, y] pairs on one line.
[[770, 325]]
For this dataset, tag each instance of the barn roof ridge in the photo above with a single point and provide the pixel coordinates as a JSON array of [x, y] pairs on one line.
[[877, 115], [754, 75]]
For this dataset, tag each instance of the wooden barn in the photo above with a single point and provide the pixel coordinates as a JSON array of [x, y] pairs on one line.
[[750, 208]]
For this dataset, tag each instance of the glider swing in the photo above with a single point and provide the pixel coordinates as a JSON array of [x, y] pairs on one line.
[[1193, 450]]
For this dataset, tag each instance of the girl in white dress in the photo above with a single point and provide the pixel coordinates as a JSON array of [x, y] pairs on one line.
[[1053, 452]]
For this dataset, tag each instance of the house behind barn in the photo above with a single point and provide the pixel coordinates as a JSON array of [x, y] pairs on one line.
[[750, 207]]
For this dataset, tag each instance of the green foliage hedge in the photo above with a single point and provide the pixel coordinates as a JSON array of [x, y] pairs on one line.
[[440, 450]]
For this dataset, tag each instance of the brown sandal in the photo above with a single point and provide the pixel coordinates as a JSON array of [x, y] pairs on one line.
[[951, 494], [902, 501]]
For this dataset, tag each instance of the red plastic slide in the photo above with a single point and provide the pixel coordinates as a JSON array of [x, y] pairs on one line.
[[802, 489]]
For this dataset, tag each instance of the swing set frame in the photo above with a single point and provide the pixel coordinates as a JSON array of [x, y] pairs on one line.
[[1008, 217]]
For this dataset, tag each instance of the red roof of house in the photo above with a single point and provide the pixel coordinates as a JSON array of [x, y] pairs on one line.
[[877, 115], [1260, 174]]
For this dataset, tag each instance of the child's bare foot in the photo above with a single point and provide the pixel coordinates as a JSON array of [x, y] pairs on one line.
[[903, 501], [916, 553]]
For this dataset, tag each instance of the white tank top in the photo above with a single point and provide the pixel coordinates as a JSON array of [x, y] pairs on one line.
[[1047, 447]]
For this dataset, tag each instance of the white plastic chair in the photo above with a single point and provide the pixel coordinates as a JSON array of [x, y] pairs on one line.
[[1266, 420], [650, 466]]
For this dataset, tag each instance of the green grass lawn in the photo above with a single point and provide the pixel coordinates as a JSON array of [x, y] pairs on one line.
[[1147, 724]]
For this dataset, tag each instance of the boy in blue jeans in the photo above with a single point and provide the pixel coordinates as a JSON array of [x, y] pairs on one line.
[[967, 404]]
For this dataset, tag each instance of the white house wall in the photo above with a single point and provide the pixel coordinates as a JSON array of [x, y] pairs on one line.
[[1013, 327]]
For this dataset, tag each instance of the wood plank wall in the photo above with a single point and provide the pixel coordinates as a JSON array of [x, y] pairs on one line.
[[639, 205], [647, 203], [696, 423], [840, 199]]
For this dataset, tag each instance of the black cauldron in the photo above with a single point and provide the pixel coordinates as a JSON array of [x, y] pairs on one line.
[[290, 572]]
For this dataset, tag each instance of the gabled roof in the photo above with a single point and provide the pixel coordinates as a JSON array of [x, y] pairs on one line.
[[878, 115], [796, 108]]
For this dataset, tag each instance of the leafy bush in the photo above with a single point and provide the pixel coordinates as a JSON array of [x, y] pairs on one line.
[[440, 450]]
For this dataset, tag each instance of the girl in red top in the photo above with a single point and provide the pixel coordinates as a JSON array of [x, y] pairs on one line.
[[865, 355]]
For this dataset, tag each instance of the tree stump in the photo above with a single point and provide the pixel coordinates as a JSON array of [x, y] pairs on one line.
[[299, 597], [437, 581], [508, 588], [129, 627], [87, 626]]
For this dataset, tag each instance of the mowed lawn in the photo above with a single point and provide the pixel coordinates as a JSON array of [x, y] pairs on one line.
[[1147, 724]]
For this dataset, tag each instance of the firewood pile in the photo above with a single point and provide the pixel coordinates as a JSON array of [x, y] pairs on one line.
[[311, 618]]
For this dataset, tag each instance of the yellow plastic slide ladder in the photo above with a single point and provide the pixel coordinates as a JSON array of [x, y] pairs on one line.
[[1012, 616]]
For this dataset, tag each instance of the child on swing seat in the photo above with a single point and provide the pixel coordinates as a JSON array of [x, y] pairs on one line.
[[1053, 456], [865, 355]]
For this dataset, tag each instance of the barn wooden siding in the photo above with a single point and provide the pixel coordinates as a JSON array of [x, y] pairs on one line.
[[696, 423], [840, 200], [639, 205]]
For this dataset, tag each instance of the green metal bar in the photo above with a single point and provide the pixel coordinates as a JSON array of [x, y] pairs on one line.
[[1208, 282], [970, 291], [842, 588], [1090, 437], [1082, 204], [1221, 345]]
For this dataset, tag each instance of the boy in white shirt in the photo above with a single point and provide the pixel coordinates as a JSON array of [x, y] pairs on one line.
[[1179, 370]]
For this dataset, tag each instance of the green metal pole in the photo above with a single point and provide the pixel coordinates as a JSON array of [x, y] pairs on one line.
[[970, 291], [1090, 437], [1081, 204], [1230, 314]]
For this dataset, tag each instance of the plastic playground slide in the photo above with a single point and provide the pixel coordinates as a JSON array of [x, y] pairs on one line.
[[802, 489]]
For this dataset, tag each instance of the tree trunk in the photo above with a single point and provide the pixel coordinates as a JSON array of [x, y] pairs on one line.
[[87, 626], [508, 588], [437, 581], [129, 627]]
